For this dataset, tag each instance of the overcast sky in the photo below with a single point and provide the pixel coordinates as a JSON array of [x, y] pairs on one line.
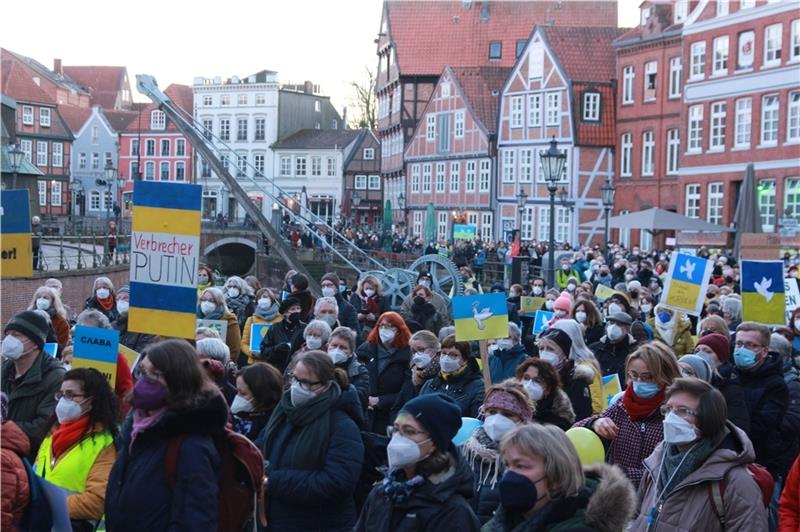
[[326, 41]]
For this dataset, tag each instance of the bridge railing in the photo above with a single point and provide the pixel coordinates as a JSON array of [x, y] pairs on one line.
[[81, 251]]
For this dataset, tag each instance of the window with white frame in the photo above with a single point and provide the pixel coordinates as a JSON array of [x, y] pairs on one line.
[[458, 127], [164, 171], [27, 148], [317, 107], [692, 209], [82, 160], [648, 153], [331, 166], [470, 178], [150, 170], [224, 129], [769, 119], [718, 118], [208, 101], [527, 223], [440, 177], [58, 154], [534, 110], [794, 41], [746, 50], [720, 66], [695, 129], [644, 16], [158, 119], [650, 74], [44, 119], [300, 166], [108, 202], [591, 106], [95, 161], [525, 165], [543, 227], [259, 132], [553, 108], [165, 147], [625, 154], [445, 89], [681, 10], [430, 131], [55, 193], [94, 200], [415, 178], [743, 122], [455, 176], [316, 166], [723, 7], [793, 119], [41, 153], [417, 223], [486, 226], [485, 174], [286, 165], [360, 182], [563, 224], [697, 60], [628, 75], [180, 171], [673, 150], [374, 182], [223, 160], [134, 147], [441, 226], [180, 147], [516, 111], [241, 99], [508, 166], [42, 189], [791, 197], [261, 98], [772, 44], [259, 164], [224, 99], [746, 4], [766, 204], [426, 177], [241, 129], [27, 115], [472, 218], [208, 128], [714, 203], [109, 159], [675, 73], [369, 154]]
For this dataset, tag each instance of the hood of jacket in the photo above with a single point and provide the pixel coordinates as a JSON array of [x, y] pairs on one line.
[[13, 439], [584, 372], [458, 479], [350, 404]]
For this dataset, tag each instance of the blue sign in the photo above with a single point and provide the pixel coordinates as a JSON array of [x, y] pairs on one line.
[[541, 320]]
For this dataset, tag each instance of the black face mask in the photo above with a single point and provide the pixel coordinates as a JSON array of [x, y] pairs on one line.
[[517, 493], [419, 301], [294, 317]]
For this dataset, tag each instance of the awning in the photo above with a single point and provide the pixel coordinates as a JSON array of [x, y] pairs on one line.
[[655, 220]]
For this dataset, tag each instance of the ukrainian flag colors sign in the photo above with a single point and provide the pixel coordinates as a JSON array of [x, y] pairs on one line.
[[763, 291], [686, 284], [165, 241], [482, 317], [96, 348], [15, 228]]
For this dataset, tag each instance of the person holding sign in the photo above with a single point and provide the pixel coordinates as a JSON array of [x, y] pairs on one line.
[[673, 329], [265, 313], [79, 452], [276, 347], [132, 340], [460, 377], [212, 307]]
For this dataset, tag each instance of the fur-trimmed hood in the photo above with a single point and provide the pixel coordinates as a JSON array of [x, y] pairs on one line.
[[613, 502], [562, 406], [584, 372]]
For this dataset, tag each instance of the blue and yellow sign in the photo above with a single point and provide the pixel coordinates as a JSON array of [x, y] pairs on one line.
[[257, 333], [611, 387], [51, 348], [763, 293], [482, 317], [96, 348], [464, 232], [530, 305], [165, 241], [541, 320], [15, 228], [686, 284]]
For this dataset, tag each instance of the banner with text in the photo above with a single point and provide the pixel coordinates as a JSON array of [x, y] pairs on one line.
[[96, 348], [686, 284], [15, 227]]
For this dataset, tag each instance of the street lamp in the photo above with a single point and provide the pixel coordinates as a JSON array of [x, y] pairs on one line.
[[15, 154], [522, 199], [553, 161], [76, 188], [608, 191], [356, 203]]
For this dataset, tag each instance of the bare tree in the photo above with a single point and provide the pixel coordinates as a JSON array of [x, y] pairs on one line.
[[365, 101]]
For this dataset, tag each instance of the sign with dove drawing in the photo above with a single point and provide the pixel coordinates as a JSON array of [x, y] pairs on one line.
[[686, 284], [482, 317], [763, 296]]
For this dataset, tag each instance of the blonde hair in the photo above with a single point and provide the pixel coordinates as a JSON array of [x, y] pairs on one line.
[[219, 297], [427, 338], [57, 304], [374, 281], [716, 324], [660, 362]]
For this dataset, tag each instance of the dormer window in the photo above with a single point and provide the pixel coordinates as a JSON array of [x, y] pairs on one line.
[[520, 46], [591, 106], [645, 16], [157, 120], [495, 50], [681, 10]]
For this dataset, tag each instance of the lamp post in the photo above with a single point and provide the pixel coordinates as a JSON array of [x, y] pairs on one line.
[[522, 199], [356, 203], [401, 202], [553, 161], [608, 191], [16, 155], [76, 189]]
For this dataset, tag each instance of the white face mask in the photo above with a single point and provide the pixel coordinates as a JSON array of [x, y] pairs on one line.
[[560, 313], [337, 355], [505, 344], [402, 451], [492, 348], [549, 357], [123, 306], [264, 303], [537, 290], [613, 307], [614, 332], [646, 307], [313, 342], [103, 293], [534, 389], [449, 363], [426, 284], [207, 307], [299, 395], [328, 291], [677, 430], [421, 359], [387, 335], [497, 425], [330, 319], [233, 292], [549, 304], [13, 349], [797, 324], [369, 292], [240, 405], [67, 410], [580, 316], [43, 303], [571, 287]]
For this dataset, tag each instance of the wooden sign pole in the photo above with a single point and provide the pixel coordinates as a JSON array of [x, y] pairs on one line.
[[484, 348]]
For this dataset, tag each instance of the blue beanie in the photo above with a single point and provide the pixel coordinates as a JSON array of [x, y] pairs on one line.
[[438, 414]]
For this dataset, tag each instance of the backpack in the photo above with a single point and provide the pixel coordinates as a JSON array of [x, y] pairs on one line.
[[762, 478], [241, 479], [38, 515]]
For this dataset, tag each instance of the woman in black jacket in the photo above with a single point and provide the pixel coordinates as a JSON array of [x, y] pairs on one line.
[[259, 387], [554, 347], [541, 381], [422, 311], [369, 303], [341, 349], [276, 347], [460, 377]]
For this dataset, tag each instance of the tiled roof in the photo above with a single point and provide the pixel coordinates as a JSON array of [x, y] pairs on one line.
[[430, 34], [75, 117], [36, 68], [18, 83], [659, 24], [481, 87], [119, 120], [317, 139], [584, 53], [180, 95], [600, 133], [103, 82]]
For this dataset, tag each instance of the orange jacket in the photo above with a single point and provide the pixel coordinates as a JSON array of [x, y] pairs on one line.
[[61, 329], [789, 508], [15, 493]]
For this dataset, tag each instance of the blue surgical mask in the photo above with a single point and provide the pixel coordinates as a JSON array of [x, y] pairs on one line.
[[664, 317], [744, 358], [645, 390]]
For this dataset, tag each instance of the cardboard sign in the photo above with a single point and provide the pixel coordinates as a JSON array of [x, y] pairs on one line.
[[129, 354], [96, 348], [686, 284], [257, 333], [792, 294], [464, 232], [482, 317], [15, 231], [602, 292], [165, 242], [221, 326], [531, 305], [541, 320], [611, 387]]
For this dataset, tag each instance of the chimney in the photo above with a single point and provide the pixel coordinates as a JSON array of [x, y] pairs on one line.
[[57, 66], [308, 87], [344, 118]]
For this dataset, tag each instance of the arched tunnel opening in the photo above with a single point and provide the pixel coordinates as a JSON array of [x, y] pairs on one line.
[[231, 258]]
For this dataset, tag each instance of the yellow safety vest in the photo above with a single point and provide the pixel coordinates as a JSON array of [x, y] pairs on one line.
[[71, 470]]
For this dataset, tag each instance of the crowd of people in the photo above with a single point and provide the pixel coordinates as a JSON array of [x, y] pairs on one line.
[[353, 410]]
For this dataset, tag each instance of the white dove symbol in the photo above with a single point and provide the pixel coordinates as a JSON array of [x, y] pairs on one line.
[[480, 316], [688, 269], [763, 288]]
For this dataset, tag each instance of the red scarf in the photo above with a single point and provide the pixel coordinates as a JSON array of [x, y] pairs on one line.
[[638, 408], [67, 434], [106, 303]]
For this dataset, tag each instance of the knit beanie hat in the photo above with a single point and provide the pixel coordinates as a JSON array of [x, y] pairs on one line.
[[31, 325], [719, 344], [332, 277], [701, 368], [563, 302], [560, 338], [438, 414], [287, 303], [124, 290]]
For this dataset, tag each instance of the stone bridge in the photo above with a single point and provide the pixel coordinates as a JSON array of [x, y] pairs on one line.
[[232, 250]]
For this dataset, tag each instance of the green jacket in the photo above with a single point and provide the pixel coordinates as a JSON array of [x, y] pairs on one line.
[[31, 402]]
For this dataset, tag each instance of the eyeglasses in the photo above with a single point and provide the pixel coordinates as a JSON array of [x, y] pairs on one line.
[[748, 345], [305, 383], [67, 395], [404, 431], [644, 377], [680, 411], [141, 372]]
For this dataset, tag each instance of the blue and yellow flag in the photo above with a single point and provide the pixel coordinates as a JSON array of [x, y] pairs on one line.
[[763, 296], [482, 317], [686, 284], [165, 242], [15, 227], [96, 348]]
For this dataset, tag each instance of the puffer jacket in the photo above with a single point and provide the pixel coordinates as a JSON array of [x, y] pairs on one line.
[[503, 363], [466, 389], [682, 343], [605, 504], [438, 504], [14, 497], [688, 505]]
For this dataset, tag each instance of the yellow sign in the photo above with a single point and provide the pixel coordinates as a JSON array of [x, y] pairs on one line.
[[129, 354], [531, 304], [15, 234], [602, 292], [482, 317]]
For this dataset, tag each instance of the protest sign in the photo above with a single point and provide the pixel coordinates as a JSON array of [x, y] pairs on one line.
[[763, 297], [481, 317], [221, 326], [51, 348], [530, 305], [257, 333], [464, 232], [15, 228], [129, 354], [541, 320], [792, 294], [602, 292], [96, 348], [611, 387], [686, 284]]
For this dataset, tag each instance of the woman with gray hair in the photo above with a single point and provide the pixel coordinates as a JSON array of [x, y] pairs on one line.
[[341, 348], [212, 307], [103, 298], [732, 312], [215, 355], [239, 299], [315, 337], [47, 300], [545, 487]]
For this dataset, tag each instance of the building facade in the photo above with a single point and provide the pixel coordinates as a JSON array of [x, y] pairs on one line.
[[362, 198], [303, 107]]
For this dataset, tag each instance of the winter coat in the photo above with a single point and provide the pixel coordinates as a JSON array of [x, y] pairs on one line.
[[441, 304], [276, 347], [635, 439], [502, 364], [15, 493], [132, 340], [555, 409], [139, 497], [61, 329], [612, 356], [466, 389], [767, 399], [385, 385], [307, 302], [688, 506], [242, 306], [322, 498], [377, 306], [426, 316], [727, 382], [789, 508], [440, 504], [605, 504], [484, 458], [682, 343], [257, 320], [112, 314], [347, 313], [594, 334], [233, 336], [358, 375], [32, 402], [576, 380], [791, 421]]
